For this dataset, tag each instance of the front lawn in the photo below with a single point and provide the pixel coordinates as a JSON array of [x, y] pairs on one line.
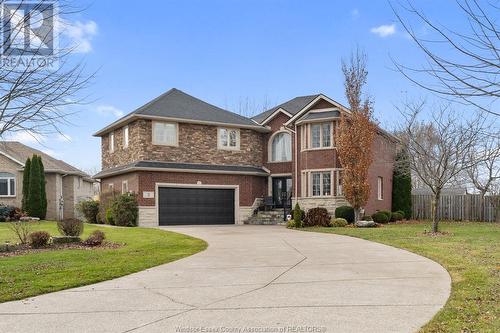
[[470, 253], [39, 273]]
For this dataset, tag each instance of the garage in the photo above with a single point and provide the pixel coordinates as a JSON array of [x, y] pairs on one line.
[[187, 206]]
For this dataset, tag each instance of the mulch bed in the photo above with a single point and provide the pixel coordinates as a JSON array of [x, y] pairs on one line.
[[436, 234], [19, 250]]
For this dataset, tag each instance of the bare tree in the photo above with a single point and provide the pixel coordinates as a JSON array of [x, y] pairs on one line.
[[485, 174], [440, 147], [462, 65], [37, 83], [356, 134]]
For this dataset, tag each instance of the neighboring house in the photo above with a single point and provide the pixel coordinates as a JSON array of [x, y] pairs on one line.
[[194, 163], [65, 184]]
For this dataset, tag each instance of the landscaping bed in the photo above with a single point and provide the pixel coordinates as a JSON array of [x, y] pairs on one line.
[[44, 270], [471, 254], [19, 250]]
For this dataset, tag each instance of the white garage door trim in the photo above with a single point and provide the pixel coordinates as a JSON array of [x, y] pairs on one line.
[[236, 189]]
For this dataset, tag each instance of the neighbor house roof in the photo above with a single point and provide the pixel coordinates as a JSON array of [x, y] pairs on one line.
[[292, 107], [179, 106], [182, 167], [19, 153]]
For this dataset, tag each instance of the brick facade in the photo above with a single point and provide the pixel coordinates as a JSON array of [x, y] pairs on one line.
[[198, 144], [251, 187]]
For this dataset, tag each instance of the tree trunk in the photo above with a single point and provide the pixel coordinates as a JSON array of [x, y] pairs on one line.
[[435, 206], [481, 206], [357, 214]]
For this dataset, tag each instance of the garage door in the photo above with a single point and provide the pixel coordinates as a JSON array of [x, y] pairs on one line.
[[195, 206]]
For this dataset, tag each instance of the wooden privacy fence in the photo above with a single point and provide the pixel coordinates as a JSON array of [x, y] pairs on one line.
[[466, 207]]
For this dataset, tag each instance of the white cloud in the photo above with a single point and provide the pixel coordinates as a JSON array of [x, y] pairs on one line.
[[26, 137], [109, 109], [78, 34], [63, 137], [384, 30], [355, 13]]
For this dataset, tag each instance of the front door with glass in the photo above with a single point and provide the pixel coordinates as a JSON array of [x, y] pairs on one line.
[[281, 185]]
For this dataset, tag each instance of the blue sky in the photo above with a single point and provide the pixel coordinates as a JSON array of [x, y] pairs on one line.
[[227, 52]]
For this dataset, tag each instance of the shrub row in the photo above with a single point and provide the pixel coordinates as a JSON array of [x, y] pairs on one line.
[[10, 213], [113, 209], [343, 215]]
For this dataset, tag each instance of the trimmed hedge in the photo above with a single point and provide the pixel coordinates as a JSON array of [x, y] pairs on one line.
[[387, 213], [345, 212], [338, 222], [396, 216], [380, 217]]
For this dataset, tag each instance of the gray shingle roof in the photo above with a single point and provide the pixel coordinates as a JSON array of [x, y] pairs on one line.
[[138, 165], [321, 115], [292, 106], [21, 153], [177, 104]]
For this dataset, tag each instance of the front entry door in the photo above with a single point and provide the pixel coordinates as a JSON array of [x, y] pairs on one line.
[[280, 185]]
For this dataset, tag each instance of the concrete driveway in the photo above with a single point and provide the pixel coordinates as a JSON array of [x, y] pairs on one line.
[[265, 278]]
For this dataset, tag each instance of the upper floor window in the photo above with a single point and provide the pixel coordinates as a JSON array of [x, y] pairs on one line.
[[321, 135], [281, 147], [380, 188], [125, 137], [7, 184], [165, 133], [112, 142], [317, 135], [228, 138]]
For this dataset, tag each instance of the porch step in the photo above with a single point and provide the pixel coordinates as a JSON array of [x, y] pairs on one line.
[[274, 216]]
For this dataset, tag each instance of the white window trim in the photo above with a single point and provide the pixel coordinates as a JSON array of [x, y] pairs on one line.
[[380, 188], [164, 144], [111, 142], [125, 184], [8, 195], [335, 186], [126, 136], [111, 187], [320, 183], [306, 137], [270, 148], [219, 143]]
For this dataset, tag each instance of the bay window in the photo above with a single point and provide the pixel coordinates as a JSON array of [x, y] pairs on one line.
[[321, 183], [317, 135]]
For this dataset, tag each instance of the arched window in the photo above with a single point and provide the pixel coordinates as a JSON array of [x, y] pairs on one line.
[[281, 147]]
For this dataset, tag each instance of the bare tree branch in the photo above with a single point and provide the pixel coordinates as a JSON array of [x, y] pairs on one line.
[[468, 71]]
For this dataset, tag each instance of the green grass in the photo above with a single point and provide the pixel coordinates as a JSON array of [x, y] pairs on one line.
[[471, 254], [38, 273]]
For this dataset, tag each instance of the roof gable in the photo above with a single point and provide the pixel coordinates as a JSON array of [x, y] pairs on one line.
[[177, 105], [291, 107]]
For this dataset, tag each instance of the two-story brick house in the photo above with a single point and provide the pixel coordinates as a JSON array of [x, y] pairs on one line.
[[194, 163]]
